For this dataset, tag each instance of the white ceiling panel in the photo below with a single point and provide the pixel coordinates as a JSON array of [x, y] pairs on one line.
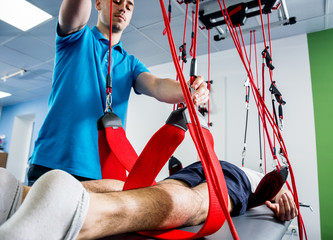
[[162, 58], [140, 44], [32, 47], [306, 9], [34, 50], [49, 6], [7, 32], [16, 58], [148, 12], [155, 33], [26, 84], [6, 68], [46, 32]]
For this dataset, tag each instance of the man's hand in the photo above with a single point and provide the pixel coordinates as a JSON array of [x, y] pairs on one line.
[[169, 90], [201, 92], [284, 206]]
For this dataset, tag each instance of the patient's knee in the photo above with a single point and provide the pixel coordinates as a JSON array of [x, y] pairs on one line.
[[200, 206], [190, 204]]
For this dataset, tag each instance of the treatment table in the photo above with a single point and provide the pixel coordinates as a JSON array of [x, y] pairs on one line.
[[256, 224]]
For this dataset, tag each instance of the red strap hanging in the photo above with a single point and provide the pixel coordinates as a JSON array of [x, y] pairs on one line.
[[123, 156], [192, 35], [209, 81], [182, 51], [197, 135], [169, 16], [204, 144], [215, 179], [116, 153], [108, 78], [263, 111]]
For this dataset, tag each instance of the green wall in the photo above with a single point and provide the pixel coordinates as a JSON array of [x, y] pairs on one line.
[[321, 65]]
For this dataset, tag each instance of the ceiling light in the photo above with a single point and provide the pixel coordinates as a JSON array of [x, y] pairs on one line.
[[22, 14], [4, 94]]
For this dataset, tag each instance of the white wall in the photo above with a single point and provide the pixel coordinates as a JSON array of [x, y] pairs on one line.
[[292, 74], [17, 162]]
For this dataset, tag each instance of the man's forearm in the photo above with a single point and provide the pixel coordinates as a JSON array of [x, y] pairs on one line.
[[171, 91]]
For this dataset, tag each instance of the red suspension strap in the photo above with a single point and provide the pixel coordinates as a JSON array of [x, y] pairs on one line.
[[209, 81], [182, 50], [208, 157], [192, 35], [169, 16], [108, 78], [116, 153], [265, 115], [112, 140], [203, 140]]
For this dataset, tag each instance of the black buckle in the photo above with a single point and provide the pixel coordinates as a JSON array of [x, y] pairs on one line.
[[182, 49], [109, 119]]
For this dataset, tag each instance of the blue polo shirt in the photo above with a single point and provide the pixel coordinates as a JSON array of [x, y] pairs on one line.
[[68, 138]]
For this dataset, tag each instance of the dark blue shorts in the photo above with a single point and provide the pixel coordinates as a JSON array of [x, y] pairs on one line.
[[238, 185]]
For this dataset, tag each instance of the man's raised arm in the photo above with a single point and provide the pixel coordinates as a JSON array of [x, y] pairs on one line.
[[73, 15]]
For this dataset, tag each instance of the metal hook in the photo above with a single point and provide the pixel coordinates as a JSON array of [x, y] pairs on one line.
[[108, 103], [284, 160], [243, 154], [306, 205], [281, 124]]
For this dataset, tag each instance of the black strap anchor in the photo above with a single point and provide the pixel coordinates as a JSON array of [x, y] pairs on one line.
[[278, 96], [182, 50], [268, 58]]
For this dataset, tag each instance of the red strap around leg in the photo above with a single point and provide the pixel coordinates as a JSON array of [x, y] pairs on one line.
[[220, 183], [116, 153], [218, 193], [156, 153], [216, 217]]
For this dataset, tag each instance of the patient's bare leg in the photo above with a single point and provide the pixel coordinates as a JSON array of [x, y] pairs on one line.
[[96, 186], [166, 205], [103, 185]]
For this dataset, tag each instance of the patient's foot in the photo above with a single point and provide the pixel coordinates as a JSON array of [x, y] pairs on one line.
[[11, 191], [268, 187]]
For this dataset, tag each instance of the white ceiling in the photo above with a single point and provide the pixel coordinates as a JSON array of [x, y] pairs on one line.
[[34, 50]]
